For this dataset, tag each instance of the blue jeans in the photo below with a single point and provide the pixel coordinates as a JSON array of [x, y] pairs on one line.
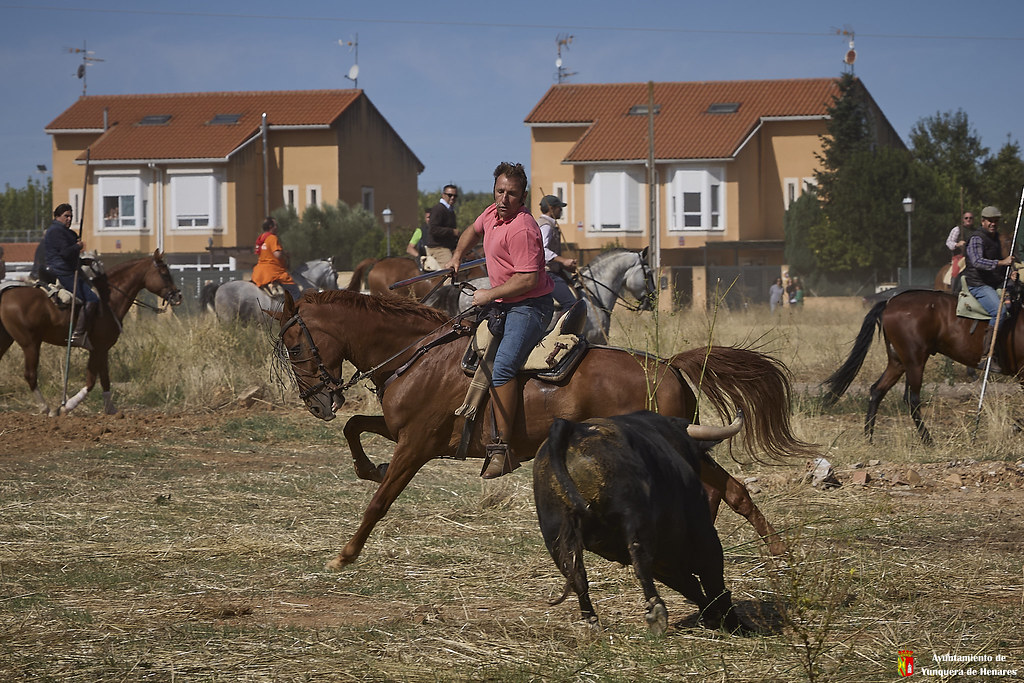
[[525, 324], [989, 300], [562, 293], [84, 291]]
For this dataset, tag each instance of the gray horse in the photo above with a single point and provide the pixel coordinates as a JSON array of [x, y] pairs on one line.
[[245, 301], [599, 284]]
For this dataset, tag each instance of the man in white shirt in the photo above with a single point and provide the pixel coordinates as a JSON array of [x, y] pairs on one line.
[[556, 264]]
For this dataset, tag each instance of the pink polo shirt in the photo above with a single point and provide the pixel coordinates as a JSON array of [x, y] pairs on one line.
[[513, 246]]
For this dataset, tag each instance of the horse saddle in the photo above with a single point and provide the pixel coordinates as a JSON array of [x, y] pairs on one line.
[[968, 307], [552, 359]]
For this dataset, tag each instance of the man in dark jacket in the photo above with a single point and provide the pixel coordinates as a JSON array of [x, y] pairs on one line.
[[986, 270], [63, 249], [442, 233]]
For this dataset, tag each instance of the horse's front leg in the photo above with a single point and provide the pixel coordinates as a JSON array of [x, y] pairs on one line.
[[720, 485], [96, 366], [405, 463], [357, 425]]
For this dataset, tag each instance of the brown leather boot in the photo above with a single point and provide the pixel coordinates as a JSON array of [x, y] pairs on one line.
[[985, 346], [80, 336], [506, 405]]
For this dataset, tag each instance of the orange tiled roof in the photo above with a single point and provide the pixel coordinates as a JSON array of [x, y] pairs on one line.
[[683, 129], [188, 135]]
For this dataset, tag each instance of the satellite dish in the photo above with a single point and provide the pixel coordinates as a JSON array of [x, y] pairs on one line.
[[353, 73], [851, 56]]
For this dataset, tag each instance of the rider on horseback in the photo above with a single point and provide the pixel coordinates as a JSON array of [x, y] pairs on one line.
[[519, 283], [986, 271], [557, 265], [62, 248], [272, 265]]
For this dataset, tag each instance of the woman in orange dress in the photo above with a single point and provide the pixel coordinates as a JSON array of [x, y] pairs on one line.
[[271, 266]]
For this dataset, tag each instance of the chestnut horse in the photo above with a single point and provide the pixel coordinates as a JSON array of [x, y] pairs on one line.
[[29, 317], [412, 354], [917, 324]]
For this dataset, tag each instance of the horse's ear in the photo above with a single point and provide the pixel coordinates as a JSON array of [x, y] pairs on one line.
[[157, 254], [289, 304], [643, 253]]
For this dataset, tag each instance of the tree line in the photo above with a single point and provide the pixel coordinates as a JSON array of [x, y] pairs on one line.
[[26, 212], [853, 224]]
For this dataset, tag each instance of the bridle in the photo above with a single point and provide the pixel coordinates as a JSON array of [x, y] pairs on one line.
[[168, 282], [326, 378], [583, 279], [334, 384]]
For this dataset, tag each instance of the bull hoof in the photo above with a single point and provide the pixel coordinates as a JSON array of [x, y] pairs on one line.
[[657, 619]]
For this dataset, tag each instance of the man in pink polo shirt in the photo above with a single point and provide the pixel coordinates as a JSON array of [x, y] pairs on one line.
[[520, 287]]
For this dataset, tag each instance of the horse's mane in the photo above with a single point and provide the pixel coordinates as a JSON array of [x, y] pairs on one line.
[[611, 253], [126, 265], [376, 304]]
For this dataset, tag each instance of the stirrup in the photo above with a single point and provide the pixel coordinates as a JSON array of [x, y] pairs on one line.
[[81, 341]]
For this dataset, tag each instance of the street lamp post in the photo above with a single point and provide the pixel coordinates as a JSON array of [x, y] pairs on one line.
[[386, 214], [908, 206]]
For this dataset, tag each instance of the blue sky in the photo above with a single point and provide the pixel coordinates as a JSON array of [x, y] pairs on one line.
[[456, 79]]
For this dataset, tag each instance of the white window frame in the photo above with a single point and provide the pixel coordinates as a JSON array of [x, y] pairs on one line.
[[75, 200], [294, 190], [120, 186], [615, 199], [367, 195], [314, 195], [210, 221], [561, 190], [704, 185]]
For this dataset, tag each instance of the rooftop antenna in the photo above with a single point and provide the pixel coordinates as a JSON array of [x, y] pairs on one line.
[[87, 59], [353, 73], [563, 40], [851, 55]]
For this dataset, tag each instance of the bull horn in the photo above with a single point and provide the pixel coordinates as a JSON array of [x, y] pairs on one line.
[[715, 433]]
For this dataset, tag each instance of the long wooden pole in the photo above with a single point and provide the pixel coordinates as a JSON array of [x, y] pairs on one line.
[[999, 315], [74, 290]]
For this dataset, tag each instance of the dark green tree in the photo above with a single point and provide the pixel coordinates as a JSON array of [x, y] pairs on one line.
[[25, 212], [1001, 183], [947, 143], [802, 215], [348, 234]]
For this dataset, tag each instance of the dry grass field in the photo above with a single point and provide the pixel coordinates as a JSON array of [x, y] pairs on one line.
[[185, 539]]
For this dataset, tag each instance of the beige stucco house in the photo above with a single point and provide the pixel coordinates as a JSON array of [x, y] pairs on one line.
[[729, 157], [189, 172]]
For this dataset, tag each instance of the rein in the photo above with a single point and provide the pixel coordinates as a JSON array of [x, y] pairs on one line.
[[582, 279], [333, 383]]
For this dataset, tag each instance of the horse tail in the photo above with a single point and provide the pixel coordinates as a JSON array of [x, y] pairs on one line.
[[751, 382], [567, 549], [207, 295], [840, 380], [362, 269]]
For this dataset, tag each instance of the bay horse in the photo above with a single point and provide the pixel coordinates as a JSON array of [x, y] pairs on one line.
[[381, 335], [917, 324], [29, 317], [380, 274]]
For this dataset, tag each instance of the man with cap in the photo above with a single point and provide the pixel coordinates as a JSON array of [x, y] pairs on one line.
[[555, 263], [986, 271]]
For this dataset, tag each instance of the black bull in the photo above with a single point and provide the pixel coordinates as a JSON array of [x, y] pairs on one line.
[[627, 488]]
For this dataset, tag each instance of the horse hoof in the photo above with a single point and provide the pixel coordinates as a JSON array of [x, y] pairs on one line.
[[657, 619], [382, 470], [337, 564]]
